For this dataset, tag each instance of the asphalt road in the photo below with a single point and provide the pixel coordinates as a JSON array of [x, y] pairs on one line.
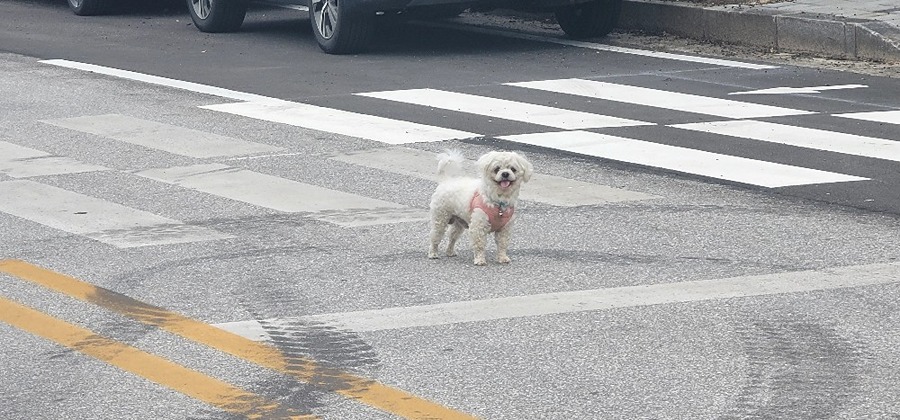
[[252, 244]]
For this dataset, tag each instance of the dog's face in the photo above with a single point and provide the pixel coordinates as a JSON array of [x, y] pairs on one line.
[[504, 171]]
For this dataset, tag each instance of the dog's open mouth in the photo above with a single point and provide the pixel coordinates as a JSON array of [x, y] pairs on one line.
[[504, 184]]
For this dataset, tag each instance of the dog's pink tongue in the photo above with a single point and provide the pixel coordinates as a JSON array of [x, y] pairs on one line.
[[504, 184]]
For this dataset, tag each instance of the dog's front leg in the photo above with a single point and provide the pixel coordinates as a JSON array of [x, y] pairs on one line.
[[501, 238], [478, 231]]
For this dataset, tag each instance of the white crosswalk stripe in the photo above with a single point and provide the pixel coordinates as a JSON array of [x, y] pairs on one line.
[[505, 109], [802, 137], [690, 161], [887, 117], [24, 162], [98, 219], [284, 195], [164, 137], [659, 98], [352, 124]]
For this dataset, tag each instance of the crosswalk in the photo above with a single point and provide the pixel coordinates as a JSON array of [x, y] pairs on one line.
[[697, 162], [164, 137], [98, 219], [809, 138], [39, 163], [505, 109], [547, 189], [579, 127], [121, 226], [261, 189], [384, 130], [659, 98], [575, 130]]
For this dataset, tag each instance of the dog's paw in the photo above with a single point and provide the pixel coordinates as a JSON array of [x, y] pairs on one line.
[[480, 261], [433, 255], [451, 253], [503, 259]]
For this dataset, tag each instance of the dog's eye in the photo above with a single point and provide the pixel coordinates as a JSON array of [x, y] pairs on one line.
[[513, 170], [496, 169]]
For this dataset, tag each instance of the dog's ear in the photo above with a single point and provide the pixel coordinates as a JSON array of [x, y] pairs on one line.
[[484, 163], [527, 168]]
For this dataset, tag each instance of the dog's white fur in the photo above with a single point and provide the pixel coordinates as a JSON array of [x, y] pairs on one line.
[[450, 203]]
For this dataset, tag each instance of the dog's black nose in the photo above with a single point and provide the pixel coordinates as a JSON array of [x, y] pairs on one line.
[[504, 174]]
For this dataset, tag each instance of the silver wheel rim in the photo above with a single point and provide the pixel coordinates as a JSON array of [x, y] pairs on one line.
[[201, 7], [325, 14], [75, 3]]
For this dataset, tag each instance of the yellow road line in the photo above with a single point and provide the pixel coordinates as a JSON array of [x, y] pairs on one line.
[[383, 397], [164, 372]]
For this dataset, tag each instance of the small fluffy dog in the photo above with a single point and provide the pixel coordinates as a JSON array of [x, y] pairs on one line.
[[484, 205]]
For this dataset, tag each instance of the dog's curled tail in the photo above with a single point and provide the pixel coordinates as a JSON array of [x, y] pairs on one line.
[[450, 164]]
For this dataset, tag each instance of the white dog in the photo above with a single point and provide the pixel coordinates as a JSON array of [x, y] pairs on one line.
[[483, 205]]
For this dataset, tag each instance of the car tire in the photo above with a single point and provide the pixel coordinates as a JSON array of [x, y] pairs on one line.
[[339, 30], [588, 20], [88, 7], [217, 15]]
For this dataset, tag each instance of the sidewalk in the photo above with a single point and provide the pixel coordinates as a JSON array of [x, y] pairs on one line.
[[851, 29]]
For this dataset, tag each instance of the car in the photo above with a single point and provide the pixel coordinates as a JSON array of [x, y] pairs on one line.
[[348, 26]]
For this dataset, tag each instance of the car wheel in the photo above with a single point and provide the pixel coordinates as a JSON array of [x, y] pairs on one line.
[[339, 30], [588, 20], [217, 15], [88, 7]]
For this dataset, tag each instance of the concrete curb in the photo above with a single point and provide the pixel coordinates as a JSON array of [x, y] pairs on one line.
[[822, 35]]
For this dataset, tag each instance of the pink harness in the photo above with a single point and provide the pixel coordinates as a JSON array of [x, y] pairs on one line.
[[498, 216]]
